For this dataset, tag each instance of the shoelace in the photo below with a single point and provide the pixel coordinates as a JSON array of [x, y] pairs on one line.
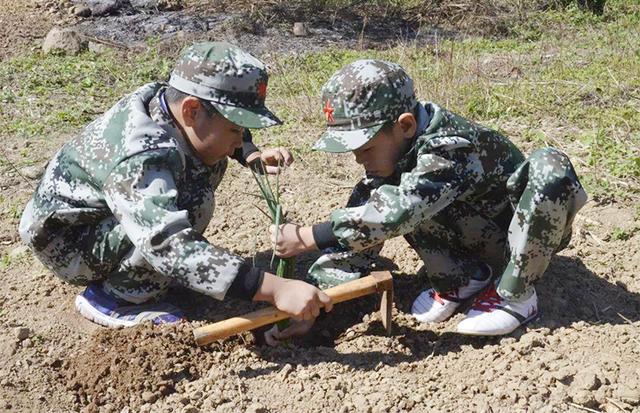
[[488, 300], [439, 297]]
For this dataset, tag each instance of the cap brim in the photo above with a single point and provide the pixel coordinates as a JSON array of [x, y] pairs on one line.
[[252, 118], [338, 141]]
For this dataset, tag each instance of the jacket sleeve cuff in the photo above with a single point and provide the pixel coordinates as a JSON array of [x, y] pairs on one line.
[[241, 154], [323, 236], [247, 149], [246, 283], [248, 146]]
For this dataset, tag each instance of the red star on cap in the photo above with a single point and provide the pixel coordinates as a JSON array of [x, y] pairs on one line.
[[328, 111], [262, 90]]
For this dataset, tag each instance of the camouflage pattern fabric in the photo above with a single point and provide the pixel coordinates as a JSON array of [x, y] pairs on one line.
[[550, 195], [453, 197], [337, 265], [127, 202], [359, 99], [231, 79]]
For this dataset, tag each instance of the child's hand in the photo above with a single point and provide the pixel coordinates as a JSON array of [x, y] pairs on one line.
[[274, 336], [301, 300], [292, 240], [274, 159]]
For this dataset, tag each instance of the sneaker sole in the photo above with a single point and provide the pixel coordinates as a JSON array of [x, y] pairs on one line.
[[462, 306], [91, 314], [522, 324]]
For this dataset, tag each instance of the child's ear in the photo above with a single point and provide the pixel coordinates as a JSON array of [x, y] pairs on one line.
[[189, 110], [408, 125]]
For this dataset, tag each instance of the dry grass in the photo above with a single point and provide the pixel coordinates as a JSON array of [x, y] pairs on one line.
[[481, 17]]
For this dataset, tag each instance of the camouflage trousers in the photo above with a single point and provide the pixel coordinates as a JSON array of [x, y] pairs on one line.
[[459, 242], [80, 254]]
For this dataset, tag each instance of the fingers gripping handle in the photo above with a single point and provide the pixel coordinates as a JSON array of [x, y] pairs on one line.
[[376, 282]]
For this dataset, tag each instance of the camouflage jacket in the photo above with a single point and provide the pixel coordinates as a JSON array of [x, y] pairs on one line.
[[134, 164], [453, 159]]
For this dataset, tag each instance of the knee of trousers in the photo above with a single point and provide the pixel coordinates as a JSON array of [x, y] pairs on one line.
[[551, 173]]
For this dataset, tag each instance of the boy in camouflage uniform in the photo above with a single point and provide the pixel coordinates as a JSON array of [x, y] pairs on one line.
[[122, 207], [462, 195]]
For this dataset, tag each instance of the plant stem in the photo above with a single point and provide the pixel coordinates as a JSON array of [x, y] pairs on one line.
[[285, 267]]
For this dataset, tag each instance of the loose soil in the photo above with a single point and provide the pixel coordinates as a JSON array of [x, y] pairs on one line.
[[582, 352]]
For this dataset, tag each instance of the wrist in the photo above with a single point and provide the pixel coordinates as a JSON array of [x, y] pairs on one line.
[[254, 156], [306, 239], [266, 291]]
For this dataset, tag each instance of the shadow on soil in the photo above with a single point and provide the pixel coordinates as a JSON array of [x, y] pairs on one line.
[[569, 292]]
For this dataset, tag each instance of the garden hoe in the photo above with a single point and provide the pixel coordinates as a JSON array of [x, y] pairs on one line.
[[380, 281]]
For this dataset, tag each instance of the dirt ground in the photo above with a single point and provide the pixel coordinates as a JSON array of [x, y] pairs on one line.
[[582, 353]]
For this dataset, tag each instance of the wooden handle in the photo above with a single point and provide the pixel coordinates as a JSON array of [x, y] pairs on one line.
[[376, 282]]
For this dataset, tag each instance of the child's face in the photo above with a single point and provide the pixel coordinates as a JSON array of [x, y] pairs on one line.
[[380, 155], [213, 137]]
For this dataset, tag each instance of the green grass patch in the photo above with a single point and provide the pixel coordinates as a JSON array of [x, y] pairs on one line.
[[563, 77], [578, 90], [45, 94]]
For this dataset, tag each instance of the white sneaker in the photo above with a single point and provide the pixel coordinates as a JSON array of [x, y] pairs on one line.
[[492, 315], [433, 307]]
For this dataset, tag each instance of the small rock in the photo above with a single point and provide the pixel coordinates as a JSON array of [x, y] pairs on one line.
[[63, 40], [304, 375], [600, 395], [197, 395], [80, 11], [97, 48], [586, 380], [360, 403], [109, 408], [32, 172], [627, 395], [27, 343], [53, 362], [149, 397], [102, 7], [564, 373], [22, 333], [300, 29], [190, 409], [256, 408], [284, 372], [532, 339], [584, 398]]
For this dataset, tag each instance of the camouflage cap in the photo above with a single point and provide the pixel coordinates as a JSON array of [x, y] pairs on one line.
[[359, 99], [231, 79]]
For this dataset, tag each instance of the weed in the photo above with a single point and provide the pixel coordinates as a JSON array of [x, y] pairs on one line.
[[5, 261], [620, 234], [37, 339], [15, 211]]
